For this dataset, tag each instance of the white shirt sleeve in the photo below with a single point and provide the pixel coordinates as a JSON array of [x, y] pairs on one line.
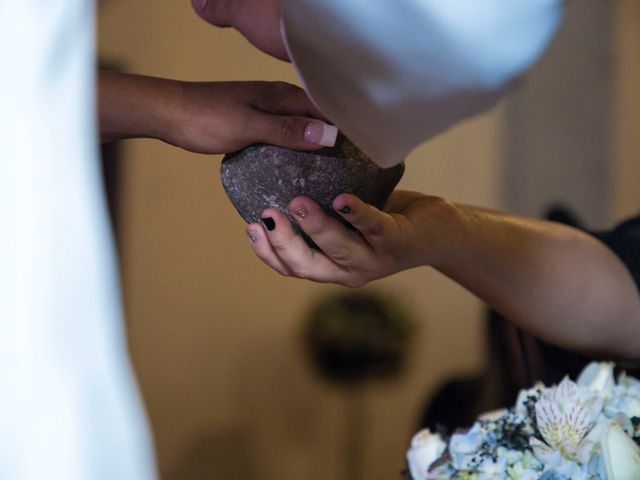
[[393, 73], [69, 408]]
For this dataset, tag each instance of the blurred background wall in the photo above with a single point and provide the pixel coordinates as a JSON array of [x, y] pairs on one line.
[[214, 334]]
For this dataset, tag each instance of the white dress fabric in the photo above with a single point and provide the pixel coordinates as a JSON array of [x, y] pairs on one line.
[[394, 73], [389, 73], [69, 407]]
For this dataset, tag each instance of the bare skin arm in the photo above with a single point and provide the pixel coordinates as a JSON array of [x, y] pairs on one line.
[[213, 117], [554, 281]]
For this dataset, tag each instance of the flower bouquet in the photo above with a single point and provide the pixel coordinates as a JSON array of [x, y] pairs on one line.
[[583, 430]]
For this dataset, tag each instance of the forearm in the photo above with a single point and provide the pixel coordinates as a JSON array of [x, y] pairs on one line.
[[134, 106], [555, 282], [209, 117], [552, 280]]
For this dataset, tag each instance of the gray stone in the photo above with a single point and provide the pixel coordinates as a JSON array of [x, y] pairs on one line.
[[262, 176]]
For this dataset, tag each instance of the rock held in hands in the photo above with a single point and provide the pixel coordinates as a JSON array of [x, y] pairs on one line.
[[262, 176]]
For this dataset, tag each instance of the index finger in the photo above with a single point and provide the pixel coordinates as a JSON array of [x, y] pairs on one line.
[[373, 224]]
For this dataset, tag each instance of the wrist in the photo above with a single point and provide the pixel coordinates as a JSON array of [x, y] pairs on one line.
[[161, 108], [134, 106], [446, 234], [465, 244]]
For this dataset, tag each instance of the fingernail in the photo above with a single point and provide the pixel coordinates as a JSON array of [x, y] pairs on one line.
[[269, 223], [301, 213], [323, 134], [346, 209], [253, 235], [199, 5]]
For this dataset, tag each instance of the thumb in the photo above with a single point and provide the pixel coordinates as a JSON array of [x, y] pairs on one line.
[[296, 133]]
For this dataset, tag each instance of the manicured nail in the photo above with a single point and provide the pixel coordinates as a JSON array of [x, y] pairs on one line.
[[323, 134], [253, 235], [301, 213], [269, 223], [199, 5], [346, 209]]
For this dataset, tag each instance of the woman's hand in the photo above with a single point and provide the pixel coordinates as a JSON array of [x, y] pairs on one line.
[[214, 117], [558, 283], [415, 230]]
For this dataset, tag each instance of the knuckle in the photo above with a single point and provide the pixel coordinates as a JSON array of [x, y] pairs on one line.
[[262, 256], [290, 129], [302, 273], [284, 87], [317, 221], [353, 283], [278, 244], [372, 229], [280, 92], [341, 253]]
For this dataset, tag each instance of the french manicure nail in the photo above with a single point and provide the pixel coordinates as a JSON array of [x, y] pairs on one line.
[[346, 209], [253, 235], [318, 133], [301, 213], [269, 223]]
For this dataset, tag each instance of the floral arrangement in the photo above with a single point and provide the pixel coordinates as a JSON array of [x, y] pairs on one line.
[[583, 430]]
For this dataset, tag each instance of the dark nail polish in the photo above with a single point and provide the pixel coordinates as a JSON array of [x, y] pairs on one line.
[[269, 223], [346, 209]]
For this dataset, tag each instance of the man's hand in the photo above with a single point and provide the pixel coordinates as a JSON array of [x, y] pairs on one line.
[[257, 20], [215, 117]]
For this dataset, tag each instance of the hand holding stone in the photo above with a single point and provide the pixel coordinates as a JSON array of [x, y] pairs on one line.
[[264, 176]]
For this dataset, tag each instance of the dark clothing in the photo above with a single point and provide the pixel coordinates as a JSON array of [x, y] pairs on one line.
[[624, 240]]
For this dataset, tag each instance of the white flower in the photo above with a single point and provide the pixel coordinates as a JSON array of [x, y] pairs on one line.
[[527, 468], [572, 470], [565, 415], [563, 468], [490, 470], [463, 447], [426, 448], [585, 433], [513, 456], [621, 455], [625, 398], [598, 377], [528, 474], [628, 382]]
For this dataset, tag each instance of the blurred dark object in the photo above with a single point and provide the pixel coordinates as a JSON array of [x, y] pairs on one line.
[[357, 337], [352, 339], [459, 400], [110, 153], [624, 241], [565, 216], [111, 159]]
